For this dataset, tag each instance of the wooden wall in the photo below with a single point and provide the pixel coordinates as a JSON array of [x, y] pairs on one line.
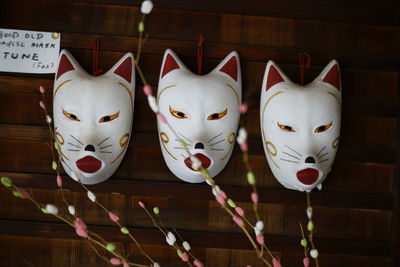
[[357, 213]]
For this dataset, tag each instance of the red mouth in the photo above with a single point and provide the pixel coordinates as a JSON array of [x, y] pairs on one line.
[[205, 161], [89, 164], [308, 176]]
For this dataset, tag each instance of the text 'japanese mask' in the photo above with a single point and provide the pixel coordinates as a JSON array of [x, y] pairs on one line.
[[93, 117], [204, 112], [300, 126]]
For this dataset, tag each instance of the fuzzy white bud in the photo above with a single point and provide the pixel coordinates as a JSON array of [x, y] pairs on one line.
[[146, 7], [186, 245], [260, 225], [71, 210], [48, 119], [242, 136], [91, 196], [196, 163], [153, 103], [314, 253], [171, 239], [52, 209]]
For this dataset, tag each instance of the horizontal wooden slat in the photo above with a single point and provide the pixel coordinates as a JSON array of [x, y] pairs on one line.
[[202, 192], [338, 11], [197, 239], [224, 28]]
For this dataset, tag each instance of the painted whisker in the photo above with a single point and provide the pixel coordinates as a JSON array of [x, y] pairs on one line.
[[105, 139], [185, 137], [322, 155], [293, 150], [290, 155], [319, 153], [109, 152], [218, 142], [69, 143], [323, 160], [77, 140], [214, 137], [296, 162], [217, 149], [105, 146], [75, 150]]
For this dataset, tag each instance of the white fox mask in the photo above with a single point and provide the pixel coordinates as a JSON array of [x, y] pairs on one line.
[[204, 112], [93, 117], [300, 126]]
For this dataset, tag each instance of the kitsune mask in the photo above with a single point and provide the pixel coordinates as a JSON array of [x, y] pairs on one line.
[[93, 117], [204, 112], [300, 126]]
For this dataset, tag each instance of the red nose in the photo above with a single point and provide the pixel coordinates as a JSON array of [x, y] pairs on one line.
[[308, 176], [89, 164]]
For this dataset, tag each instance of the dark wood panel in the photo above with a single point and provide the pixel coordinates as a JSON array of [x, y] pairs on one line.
[[223, 28], [197, 239], [343, 11]]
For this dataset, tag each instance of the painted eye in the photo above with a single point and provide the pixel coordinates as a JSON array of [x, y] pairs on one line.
[[286, 128], [109, 117], [217, 116], [177, 114], [323, 128], [70, 116]]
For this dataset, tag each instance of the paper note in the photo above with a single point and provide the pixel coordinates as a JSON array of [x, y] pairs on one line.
[[29, 51]]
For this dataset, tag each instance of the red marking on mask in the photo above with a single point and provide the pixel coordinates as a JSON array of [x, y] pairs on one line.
[[230, 68], [274, 77], [88, 164], [125, 69], [308, 176], [333, 77], [169, 65], [64, 66]]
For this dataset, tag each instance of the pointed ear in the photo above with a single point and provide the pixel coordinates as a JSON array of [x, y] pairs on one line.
[[273, 75], [230, 66], [331, 75], [124, 68], [170, 63], [66, 63]]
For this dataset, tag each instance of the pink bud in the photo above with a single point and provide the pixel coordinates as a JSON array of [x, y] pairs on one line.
[[239, 211], [185, 257], [141, 204], [198, 263], [42, 105], [81, 232], [244, 147], [238, 221], [79, 224], [115, 261], [306, 262], [162, 118], [59, 181], [220, 199], [222, 193], [113, 217], [41, 89], [124, 264], [276, 263], [260, 239], [243, 108], [147, 90], [248, 266], [254, 197], [24, 194]]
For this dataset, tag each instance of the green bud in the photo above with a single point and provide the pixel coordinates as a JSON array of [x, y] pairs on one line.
[[141, 26], [57, 146], [54, 165], [310, 226], [44, 211], [303, 242], [6, 181], [179, 252], [250, 178], [183, 144], [111, 247], [205, 173], [124, 230], [231, 203], [156, 210], [17, 193]]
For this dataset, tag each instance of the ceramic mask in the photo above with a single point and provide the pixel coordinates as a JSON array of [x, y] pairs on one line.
[[300, 126], [93, 117], [204, 112]]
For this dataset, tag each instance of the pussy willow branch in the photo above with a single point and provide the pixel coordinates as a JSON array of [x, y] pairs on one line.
[[310, 235]]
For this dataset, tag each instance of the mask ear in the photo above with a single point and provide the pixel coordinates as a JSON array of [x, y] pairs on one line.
[[66, 63], [124, 69], [273, 75], [230, 66], [170, 63], [331, 75]]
